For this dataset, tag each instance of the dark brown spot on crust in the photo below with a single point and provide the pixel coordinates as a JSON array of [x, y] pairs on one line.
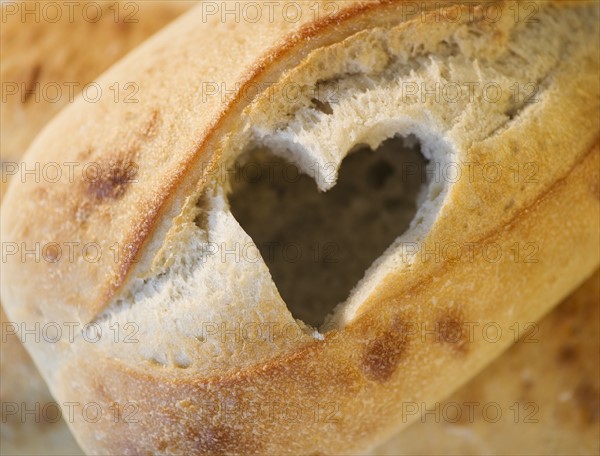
[[111, 180], [30, 82], [382, 355], [567, 354], [51, 253], [509, 204], [452, 331], [588, 400], [527, 383], [162, 446]]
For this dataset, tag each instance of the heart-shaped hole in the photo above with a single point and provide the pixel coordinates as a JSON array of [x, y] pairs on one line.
[[319, 245]]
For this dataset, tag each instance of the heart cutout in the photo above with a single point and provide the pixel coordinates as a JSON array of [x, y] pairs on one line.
[[318, 245]]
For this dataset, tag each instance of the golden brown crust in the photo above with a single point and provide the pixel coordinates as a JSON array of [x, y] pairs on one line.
[[354, 391], [546, 387], [354, 373], [41, 54]]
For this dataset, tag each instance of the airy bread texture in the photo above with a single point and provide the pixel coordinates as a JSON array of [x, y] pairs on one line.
[[199, 388]]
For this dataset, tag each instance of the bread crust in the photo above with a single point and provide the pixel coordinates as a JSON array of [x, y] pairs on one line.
[[363, 371], [556, 357], [360, 377], [40, 54]]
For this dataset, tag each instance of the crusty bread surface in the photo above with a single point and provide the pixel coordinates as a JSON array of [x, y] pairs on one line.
[[195, 388], [545, 387], [39, 54]]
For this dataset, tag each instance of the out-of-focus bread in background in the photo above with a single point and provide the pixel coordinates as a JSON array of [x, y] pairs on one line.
[[51, 58], [553, 375], [546, 387], [22, 388], [42, 59]]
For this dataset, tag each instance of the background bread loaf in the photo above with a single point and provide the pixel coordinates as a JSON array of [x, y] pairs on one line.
[[39, 55]]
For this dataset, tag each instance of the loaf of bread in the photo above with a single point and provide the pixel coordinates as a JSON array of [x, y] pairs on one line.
[[181, 346], [39, 77]]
